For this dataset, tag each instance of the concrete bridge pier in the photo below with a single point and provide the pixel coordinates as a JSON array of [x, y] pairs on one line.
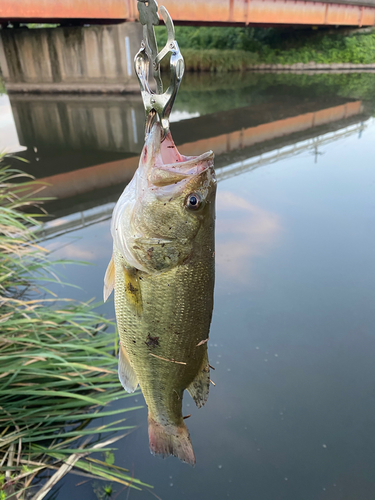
[[71, 60]]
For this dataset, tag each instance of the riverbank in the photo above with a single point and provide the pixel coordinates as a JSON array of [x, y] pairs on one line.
[[58, 367], [314, 68], [241, 49], [238, 60], [205, 49]]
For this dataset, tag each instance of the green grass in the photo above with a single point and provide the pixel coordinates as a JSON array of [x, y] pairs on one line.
[[58, 368], [322, 49], [41, 25], [216, 60], [237, 49], [223, 38], [32, 26]]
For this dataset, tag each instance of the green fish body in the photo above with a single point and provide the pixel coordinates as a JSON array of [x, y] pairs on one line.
[[162, 271]]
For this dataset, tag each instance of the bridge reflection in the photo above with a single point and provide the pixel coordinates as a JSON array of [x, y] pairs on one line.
[[89, 216], [84, 151]]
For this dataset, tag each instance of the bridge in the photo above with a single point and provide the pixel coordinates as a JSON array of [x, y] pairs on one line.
[[208, 12]]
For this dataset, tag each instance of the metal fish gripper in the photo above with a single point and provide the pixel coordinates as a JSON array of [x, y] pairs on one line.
[[157, 103]]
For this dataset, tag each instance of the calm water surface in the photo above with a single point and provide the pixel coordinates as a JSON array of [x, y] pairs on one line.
[[292, 415]]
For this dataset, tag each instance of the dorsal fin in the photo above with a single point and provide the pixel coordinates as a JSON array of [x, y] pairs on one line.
[[126, 374], [109, 279]]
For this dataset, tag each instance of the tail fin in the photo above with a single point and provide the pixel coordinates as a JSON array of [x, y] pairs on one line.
[[169, 439]]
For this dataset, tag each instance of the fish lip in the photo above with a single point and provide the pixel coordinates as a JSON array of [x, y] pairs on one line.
[[191, 162], [159, 148]]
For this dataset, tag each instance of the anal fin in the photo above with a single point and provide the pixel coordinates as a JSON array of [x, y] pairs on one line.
[[109, 279], [126, 374], [200, 386]]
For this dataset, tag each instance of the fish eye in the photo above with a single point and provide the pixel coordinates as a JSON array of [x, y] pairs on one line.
[[193, 201]]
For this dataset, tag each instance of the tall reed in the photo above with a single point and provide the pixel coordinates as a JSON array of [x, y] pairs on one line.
[[58, 369]]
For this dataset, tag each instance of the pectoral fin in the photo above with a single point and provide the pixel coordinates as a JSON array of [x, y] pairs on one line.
[[200, 386], [133, 288], [109, 280], [126, 374]]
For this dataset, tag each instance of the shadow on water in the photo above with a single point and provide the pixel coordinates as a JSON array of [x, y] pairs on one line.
[[293, 409]]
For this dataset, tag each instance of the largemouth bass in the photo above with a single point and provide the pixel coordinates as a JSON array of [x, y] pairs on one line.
[[162, 271]]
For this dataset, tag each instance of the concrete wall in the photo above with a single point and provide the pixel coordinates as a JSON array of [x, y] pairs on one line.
[[95, 58]]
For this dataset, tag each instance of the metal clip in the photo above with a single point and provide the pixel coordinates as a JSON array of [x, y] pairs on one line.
[[157, 103]]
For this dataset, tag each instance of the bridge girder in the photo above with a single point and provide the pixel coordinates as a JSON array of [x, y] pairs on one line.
[[227, 12]]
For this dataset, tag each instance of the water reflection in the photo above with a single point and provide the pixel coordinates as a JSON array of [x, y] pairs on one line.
[[292, 412], [9, 142], [249, 231], [96, 123], [77, 145]]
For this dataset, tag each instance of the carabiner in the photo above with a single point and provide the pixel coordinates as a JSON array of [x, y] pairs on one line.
[[159, 102]]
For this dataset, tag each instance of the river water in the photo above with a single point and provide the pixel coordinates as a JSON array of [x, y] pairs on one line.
[[292, 414]]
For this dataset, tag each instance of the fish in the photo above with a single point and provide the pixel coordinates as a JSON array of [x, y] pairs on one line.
[[162, 272]]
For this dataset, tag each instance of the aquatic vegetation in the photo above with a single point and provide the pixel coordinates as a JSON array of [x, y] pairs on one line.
[[103, 492], [58, 368]]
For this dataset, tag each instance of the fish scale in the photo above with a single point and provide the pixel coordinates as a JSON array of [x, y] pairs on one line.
[[175, 301]]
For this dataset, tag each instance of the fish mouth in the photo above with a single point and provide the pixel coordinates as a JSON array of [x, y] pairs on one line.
[[169, 165]]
